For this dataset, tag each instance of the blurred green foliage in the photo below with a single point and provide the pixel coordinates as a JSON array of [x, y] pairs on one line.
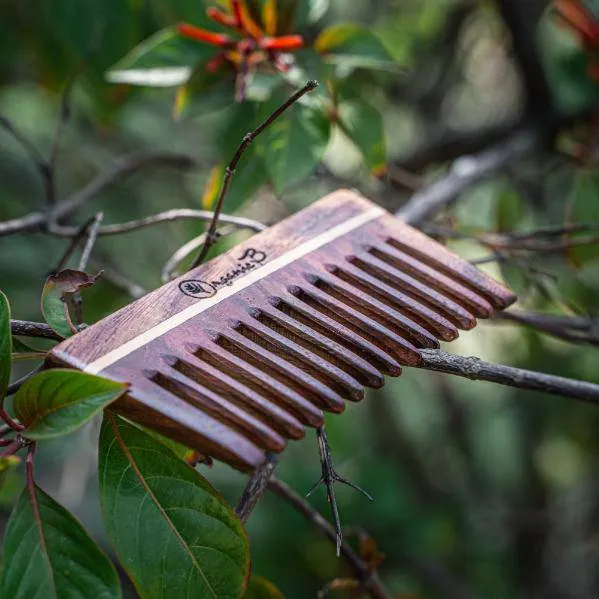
[[480, 490]]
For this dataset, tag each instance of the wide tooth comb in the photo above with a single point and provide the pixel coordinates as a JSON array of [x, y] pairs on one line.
[[242, 353]]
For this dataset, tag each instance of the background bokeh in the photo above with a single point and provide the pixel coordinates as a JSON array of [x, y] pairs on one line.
[[481, 490]]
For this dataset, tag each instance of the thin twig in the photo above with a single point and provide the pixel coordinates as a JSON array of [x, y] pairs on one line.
[[92, 235], [80, 233], [28, 147], [370, 580], [328, 478], [164, 217], [476, 369], [124, 167], [568, 328], [230, 170], [26, 328], [256, 487]]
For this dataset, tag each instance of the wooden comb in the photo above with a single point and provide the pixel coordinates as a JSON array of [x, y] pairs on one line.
[[244, 352]]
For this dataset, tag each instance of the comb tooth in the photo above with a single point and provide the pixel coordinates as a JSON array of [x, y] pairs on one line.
[[314, 390], [418, 245], [435, 323], [344, 289], [186, 388], [398, 347], [320, 368], [325, 347], [157, 408], [337, 332], [479, 306], [415, 289], [262, 382], [218, 381]]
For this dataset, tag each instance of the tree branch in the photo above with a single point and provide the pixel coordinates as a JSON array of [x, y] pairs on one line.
[[164, 217], [26, 328], [370, 580], [125, 167], [467, 170], [476, 369], [256, 487]]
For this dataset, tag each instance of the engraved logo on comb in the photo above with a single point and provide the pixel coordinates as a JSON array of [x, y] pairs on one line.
[[249, 260], [197, 289]]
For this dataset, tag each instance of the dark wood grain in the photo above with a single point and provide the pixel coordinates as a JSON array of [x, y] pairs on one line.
[[313, 313]]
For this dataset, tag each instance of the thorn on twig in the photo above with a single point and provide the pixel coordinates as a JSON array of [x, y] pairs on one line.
[[328, 478], [230, 170]]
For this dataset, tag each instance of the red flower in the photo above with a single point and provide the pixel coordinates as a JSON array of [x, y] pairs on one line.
[[244, 52]]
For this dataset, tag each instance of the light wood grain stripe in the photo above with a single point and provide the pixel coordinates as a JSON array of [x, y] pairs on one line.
[[204, 304]]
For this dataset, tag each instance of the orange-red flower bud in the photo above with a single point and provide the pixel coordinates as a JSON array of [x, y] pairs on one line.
[[203, 35], [284, 43], [236, 6], [220, 17]]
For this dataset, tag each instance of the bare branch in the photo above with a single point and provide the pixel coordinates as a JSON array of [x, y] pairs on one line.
[[370, 580], [476, 369], [26, 328], [125, 167], [246, 142], [569, 328], [256, 487], [164, 217], [467, 170], [92, 236]]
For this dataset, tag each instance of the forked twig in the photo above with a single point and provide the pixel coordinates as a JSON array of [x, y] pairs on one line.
[[230, 170], [328, 478]]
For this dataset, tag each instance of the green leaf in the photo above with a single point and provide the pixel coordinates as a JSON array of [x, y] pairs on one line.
[[165, 59], [363, 124], [293, 146], [56, 295], [260, 588], [47, 553], [59, 401], [353, 45], [173, 533], [5, 344]]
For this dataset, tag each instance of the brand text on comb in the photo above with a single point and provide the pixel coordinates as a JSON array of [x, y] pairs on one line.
[[248, 261]]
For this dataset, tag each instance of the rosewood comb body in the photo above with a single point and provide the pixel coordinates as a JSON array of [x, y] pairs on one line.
[[246, 351]]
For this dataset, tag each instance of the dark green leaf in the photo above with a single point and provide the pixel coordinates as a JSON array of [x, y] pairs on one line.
[[363, 124], [354, 45], [173, 533], [260, 588], [57, 402], [48, 554], [293, 146], [165, 59], [5, 344]]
